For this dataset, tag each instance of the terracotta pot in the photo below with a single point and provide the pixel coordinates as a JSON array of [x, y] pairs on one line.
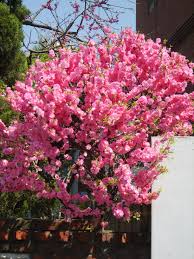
[[44, 235], [21, 235], [4, 235], [64, 235], [91, 257]]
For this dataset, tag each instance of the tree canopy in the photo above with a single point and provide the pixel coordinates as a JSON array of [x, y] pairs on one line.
[[17, 8], [87, 119], [12, 59]]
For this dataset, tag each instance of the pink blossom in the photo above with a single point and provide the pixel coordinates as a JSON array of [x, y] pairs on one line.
[[118, 211], [88, 116]]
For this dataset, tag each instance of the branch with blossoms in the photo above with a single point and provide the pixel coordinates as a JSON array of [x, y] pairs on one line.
[[82, 21], [88, 117]]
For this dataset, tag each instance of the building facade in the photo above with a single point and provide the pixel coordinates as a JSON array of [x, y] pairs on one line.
[[171, 20]]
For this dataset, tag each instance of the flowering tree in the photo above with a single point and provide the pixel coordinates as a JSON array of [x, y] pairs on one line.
[[88, 116]]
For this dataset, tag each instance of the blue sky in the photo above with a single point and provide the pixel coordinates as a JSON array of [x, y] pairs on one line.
[[127, 18]]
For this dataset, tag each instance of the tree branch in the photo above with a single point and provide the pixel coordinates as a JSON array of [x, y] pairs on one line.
[[41, 26], [47, 27]]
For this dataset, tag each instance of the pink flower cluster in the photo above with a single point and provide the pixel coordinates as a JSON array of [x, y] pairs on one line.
[[47, 5], [86, 117]]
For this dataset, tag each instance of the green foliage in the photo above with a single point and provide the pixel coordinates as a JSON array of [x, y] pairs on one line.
[[12, 60], [25, 204], [22, 12], [16, 7], [6, 113]]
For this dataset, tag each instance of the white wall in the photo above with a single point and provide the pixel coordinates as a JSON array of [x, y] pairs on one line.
[[173, 211]]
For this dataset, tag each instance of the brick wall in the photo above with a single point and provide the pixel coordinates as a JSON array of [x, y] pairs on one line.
[[164, 19], [187, 46]]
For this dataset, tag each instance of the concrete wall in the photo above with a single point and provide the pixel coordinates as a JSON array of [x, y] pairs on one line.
[[173, 212]]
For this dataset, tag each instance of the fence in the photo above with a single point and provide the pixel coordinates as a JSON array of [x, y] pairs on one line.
[[44, 239]]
